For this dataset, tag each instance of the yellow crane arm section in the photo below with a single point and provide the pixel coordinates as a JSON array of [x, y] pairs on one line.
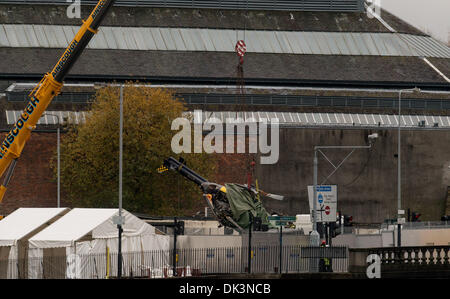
[[41, 96]]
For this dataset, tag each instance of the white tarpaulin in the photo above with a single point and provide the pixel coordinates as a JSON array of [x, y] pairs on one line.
[[23, 221], [90, 239], [15, 227]]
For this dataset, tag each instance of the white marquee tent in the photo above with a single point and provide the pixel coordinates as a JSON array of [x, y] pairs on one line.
[[15, 229], [86, 240]]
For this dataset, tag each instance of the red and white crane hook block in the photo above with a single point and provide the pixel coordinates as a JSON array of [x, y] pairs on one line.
[[240, 49]]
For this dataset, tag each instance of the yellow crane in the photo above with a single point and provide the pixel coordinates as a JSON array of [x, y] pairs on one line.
[[41, 96]]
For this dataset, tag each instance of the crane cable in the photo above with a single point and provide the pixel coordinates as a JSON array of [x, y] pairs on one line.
[[362, 169], [360, 173]]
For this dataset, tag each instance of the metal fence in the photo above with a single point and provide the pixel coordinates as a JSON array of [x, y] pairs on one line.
[[189, 262], [315, 101], [269, 100], [291, 5], [64, 97]]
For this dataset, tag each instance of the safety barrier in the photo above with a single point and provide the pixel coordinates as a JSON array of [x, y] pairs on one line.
[[268, 99], [189, 262]]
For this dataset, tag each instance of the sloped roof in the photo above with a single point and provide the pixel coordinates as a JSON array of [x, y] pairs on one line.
[[224, 40], [24, 221], [289, 5], [80, 222], [442, 64], [207, 18], [211, 66], [325, 62], [289, 119]]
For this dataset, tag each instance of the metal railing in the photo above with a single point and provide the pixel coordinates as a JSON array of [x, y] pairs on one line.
[[268, 99], [291, 5], [315, 101], [189, 262], [65, 97]]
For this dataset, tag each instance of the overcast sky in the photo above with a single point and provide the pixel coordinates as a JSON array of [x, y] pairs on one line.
[[430, 16]]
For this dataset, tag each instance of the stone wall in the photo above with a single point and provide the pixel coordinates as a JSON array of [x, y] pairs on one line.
[[367, 181]]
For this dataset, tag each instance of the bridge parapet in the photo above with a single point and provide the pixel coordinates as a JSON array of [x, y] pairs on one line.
[[404, 262]]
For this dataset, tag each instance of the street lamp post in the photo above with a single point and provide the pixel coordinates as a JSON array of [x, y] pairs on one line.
[[315, 237], [119, 219], [399, 166], [120, 222], [59, 160]]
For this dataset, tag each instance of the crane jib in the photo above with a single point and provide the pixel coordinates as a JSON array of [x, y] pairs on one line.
[[81, 40], [98, 8], [52, 82], [50, 86], [19, 125], [64, 58]]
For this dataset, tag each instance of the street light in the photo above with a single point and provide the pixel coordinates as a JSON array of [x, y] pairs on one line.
[[315, 237], [59, 160], [399, 165], [119, 220]]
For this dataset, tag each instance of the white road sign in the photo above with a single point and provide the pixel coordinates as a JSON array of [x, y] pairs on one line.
[[326, 202]]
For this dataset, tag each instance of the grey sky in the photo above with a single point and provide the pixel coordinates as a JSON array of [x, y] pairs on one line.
[[430, 16]]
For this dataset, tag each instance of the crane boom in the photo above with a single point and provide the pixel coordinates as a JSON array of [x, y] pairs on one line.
[[42, 95]]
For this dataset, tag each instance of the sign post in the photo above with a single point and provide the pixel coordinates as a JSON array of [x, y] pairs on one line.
[[281, 221], [281, 247], [249, 266]]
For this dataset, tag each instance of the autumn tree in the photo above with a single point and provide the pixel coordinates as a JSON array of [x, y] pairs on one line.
[[90, 155]]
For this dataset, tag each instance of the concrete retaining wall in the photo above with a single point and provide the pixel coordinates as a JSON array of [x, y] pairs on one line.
[[367, 181]]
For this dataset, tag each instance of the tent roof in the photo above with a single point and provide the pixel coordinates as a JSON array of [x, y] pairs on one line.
[[23, 221], [80, 222]]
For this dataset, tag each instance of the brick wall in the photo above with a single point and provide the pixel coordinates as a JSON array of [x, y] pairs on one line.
[[32, 184], [425, 172]]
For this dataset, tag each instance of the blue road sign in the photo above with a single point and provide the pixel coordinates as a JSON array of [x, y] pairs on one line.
[[323, 188], [320, 198]]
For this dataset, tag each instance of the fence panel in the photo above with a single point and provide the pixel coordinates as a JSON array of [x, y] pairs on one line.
[[265, 99], [265, 259]]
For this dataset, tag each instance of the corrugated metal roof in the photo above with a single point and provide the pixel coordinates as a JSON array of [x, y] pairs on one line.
[[297, 119], [49, 117], [223, 40], [285, 119]]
